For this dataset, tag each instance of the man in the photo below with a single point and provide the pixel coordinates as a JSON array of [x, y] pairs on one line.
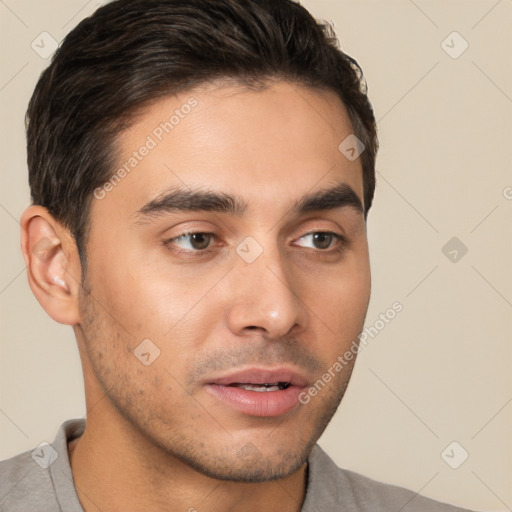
[[201, 174]]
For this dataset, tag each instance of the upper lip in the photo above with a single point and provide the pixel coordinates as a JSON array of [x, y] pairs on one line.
[[261, 376]]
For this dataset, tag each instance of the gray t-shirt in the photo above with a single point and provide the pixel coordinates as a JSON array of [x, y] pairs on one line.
[[41, 481]]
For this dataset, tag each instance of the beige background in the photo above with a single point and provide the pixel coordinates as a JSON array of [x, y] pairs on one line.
[[440, 371]]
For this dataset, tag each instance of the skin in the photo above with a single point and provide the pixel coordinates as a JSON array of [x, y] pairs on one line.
[[155, 438]]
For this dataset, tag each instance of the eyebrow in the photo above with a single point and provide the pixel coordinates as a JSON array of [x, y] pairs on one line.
[[178, 200]]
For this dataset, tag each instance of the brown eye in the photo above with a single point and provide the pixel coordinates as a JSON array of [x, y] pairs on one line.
[[321, 240], [200, 241], [191, 242]]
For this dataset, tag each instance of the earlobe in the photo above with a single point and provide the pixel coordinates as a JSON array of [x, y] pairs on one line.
[[53, 265]]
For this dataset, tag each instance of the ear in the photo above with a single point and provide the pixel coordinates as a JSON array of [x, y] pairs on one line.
[[53, 264]]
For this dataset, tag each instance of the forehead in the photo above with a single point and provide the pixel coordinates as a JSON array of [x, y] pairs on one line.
[[270, 146]]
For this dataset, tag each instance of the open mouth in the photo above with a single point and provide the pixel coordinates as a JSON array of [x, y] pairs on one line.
[[263, 392], [262, 388]]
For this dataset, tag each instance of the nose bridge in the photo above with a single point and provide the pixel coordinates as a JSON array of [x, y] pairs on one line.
[[265, 295]]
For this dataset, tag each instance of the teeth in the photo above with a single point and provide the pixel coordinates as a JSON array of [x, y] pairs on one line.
[[274, 386], [263, 388]]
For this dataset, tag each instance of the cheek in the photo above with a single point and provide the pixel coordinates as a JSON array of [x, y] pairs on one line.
[[341, 292], [354, 288], [148, 300], [339, 299], [131, 290]]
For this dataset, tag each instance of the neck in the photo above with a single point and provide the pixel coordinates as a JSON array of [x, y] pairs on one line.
[[116, 468]]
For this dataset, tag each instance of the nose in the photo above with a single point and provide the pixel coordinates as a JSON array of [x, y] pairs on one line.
[[266, 298]]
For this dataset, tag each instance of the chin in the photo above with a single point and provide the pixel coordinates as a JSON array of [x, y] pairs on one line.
[[250, 466]]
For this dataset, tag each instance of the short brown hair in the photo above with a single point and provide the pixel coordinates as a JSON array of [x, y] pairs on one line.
[[132, 52]]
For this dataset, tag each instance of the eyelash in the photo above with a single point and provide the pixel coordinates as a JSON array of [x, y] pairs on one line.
[[342, 243]]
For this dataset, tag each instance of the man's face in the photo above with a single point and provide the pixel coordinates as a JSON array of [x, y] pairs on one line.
[[271, 288]]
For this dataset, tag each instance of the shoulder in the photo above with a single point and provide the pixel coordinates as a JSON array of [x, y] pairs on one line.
[[331, 486], [24, 485], [39, 479]]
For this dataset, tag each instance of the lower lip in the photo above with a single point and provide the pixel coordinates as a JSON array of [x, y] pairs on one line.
[[258, 403]]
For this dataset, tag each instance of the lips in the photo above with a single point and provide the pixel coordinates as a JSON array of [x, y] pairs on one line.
[[257, 376], [259, 392], [262, 388]]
